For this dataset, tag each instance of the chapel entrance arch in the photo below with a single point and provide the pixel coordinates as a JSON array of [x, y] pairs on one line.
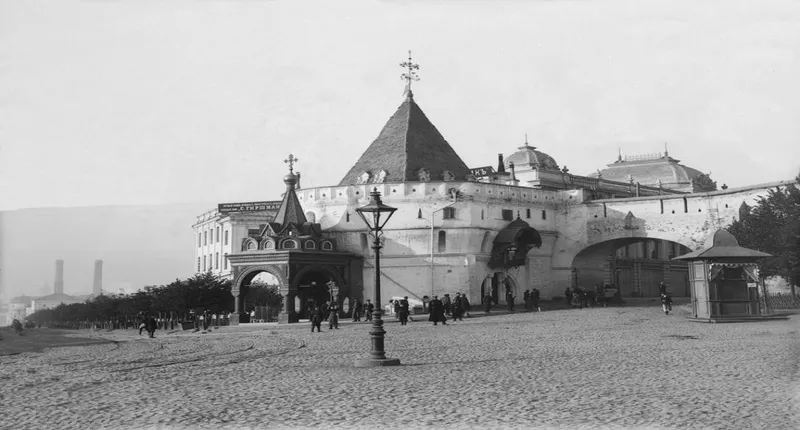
[[244, 302], [311, 284], [635, 265]]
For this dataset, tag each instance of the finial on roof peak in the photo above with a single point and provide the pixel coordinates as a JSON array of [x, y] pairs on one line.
[[619, 156], [410, 75], [291, 179], [666, 151]]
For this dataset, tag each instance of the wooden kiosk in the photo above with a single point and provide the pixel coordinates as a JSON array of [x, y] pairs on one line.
[[724, 281]]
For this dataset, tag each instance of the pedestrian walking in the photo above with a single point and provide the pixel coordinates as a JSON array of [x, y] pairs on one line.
[[526, 297], [666, 303], [510, 301], [437, 311], [448, 304], [535, 296], [317, 315], [403, 310], [568, 295], [662, 288], [576, 299], [458, 311], [368, 308], [333, 316], [357, 308], [465, 304], [487, 302]]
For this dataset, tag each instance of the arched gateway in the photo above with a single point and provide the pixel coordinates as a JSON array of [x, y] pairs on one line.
[[305, 263]]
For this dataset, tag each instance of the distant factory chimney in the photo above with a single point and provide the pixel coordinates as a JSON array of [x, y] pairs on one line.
[[97, 287], [59, 283]]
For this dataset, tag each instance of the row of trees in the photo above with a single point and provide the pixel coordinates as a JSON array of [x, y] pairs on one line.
[[773, 226], [199, 293]]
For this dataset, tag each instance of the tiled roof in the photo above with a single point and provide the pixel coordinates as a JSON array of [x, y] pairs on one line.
[[668, 170], [407, 144], [290, 211]]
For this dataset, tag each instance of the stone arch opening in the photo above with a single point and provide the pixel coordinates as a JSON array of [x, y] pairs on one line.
[[635, 265], [311, 284], [244, 301]]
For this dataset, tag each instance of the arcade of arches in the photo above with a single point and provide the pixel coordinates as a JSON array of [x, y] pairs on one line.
[[635, 265]]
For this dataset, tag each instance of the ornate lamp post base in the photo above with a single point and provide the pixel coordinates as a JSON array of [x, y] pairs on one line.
[[377, 355]]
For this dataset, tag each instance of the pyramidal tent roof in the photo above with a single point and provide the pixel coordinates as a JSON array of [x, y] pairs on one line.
[[290, 212], [407, 144], [722, 244]]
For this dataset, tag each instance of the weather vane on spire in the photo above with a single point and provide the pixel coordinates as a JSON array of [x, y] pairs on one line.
[[290, 161], [410, 75]]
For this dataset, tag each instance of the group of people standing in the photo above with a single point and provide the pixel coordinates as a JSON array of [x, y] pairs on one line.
[[328, 311], [456, 308], [532, 299]]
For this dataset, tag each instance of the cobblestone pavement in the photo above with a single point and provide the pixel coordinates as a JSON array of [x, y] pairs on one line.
[[629, 367]]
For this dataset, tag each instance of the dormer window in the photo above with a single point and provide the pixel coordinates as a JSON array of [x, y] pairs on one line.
[[363, 178]]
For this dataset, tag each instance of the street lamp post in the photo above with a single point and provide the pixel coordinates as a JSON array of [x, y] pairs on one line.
[[371, 214]]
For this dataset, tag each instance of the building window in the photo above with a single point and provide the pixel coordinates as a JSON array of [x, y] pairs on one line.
[[289, 244], [199, 241], [481, 213], [528, 213], [217, 237], [449, 213], [347, 217], [205, 237], [225, 261], [508, 214], [419, 213], [310, 244], [205, 259], [544, 214], [198, 264], [216, 260], [442, 241], [226, 237], [327, 246]]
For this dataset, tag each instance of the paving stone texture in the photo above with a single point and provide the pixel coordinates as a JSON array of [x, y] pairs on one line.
[[629, 367]]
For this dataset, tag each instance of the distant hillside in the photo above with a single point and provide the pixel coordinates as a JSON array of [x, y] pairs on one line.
[[139, 245]]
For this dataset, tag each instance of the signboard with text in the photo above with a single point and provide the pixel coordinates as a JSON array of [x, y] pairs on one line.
[[248, 207], [482, 171]]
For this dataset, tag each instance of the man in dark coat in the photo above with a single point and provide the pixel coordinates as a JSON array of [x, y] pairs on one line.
[[333, 316], [568, 295], [368, 308], [458, 311], [448, 305], [487, 302], [151, 325], [437, 311], [356, 310], [403, 310], [465, 304], [535, 299], [526, 297], [317, 315]]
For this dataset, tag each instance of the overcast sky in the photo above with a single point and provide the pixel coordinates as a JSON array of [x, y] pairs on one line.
[[149, 102]]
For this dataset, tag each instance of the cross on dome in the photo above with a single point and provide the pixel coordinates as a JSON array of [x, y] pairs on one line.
[[290, 161]]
